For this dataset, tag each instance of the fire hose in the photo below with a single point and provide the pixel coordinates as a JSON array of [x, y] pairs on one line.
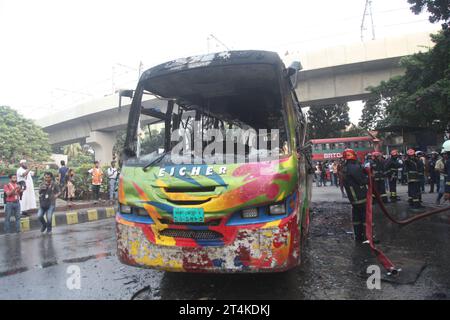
[[381, 257]]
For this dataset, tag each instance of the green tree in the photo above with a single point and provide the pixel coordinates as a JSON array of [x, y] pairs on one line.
[[439, 9], [72, 150], [328, 121], [374, 111], [21, 138], [150, 142], [120, 142], [353, 131], [418, 98]]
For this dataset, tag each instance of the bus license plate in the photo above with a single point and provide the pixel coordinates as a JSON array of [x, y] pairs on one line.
[[188, 215]]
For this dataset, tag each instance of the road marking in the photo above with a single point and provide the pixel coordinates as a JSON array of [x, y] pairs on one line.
[[92, 215], [25, 224], [110, 212], [72, 217], [53, 220]]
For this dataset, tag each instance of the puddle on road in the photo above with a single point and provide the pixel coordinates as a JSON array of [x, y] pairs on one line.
[[52, 263]]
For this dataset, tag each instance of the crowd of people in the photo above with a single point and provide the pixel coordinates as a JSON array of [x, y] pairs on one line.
[[329, 171], [386, 171], [390, 169], [415, 169], [20, 196]]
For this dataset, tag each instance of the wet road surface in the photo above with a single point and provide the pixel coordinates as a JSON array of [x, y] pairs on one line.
[[35, 266]]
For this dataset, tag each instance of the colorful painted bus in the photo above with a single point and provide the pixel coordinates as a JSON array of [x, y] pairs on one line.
[[247, 214], [332, 148]]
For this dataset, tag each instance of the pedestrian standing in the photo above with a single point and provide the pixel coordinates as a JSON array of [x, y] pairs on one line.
[[434, 176], [355, 183], [28, 198], [318, 174], [70, 187], [340, 168], [440, 169], [334, 168], [330, 172], [49, 190], [12, 203], [324, 174], [62, 172], [97, 179], [112, 174]]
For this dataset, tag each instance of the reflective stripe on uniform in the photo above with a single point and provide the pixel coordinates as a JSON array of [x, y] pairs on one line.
[[353, 193], [359, 201]]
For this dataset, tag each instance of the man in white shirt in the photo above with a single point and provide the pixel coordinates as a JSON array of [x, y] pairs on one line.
[[28, 200], [112, 173]]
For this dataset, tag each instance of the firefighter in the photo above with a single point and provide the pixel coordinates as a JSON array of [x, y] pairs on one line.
[[421, 170], [355, 183], [411, 168], [391, 171], [446, 149], [378, 175]]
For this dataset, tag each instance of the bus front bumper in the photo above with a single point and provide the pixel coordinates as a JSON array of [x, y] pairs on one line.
[[273, 247]]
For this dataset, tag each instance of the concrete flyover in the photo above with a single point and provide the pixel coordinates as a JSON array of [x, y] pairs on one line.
[[330, 75], [95, 123], [342, 73]]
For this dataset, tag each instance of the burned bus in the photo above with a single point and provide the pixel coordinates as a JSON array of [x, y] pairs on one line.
[[224, 185]]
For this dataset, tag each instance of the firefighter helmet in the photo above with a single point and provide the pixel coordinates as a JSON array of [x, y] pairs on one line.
[[376, 154], [446, 146], [394, 153], [349, 154], [411, 152]]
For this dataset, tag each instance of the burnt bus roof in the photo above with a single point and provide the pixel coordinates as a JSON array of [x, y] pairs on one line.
[[213, 74]]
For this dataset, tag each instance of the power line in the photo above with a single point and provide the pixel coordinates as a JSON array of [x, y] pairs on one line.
[[367, 12]]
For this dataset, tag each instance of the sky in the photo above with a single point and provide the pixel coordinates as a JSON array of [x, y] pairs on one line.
[[56, 54]]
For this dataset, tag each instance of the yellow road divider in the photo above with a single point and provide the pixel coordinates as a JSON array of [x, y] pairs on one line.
[[92, 215]]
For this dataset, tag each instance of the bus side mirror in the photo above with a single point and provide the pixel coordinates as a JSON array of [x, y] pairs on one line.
[[292, 72]]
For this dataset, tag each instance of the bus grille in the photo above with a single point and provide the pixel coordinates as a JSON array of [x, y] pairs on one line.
[[192, 234], [213, 222]]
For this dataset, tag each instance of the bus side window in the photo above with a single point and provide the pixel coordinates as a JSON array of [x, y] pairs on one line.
[[332, 146], [356, 144]]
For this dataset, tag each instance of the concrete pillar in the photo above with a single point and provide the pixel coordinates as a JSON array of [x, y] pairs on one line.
[[102, 143]]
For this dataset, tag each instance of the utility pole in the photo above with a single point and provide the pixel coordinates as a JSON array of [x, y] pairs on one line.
[[211, 36], [367, 12]]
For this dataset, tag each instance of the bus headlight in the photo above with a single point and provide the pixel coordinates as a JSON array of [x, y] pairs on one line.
[[140, 211], [250, 213], [277, 209], [125, 209]]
